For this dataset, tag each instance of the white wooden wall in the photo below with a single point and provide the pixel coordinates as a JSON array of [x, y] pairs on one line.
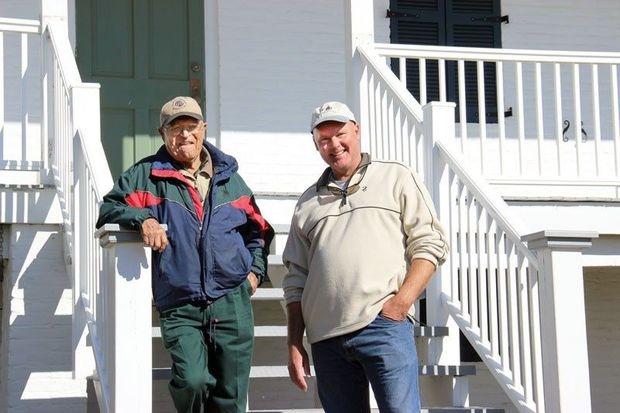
[[36, 339]]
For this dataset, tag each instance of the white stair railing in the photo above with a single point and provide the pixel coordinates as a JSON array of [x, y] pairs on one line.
[[537, 113], [110, 268], [493, 291], [491, 287], [26, 151]]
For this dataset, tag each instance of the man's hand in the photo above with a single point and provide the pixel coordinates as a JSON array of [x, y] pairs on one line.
[[395, 309], [153, 235], [253, 282], [298, 365], [418, 276]]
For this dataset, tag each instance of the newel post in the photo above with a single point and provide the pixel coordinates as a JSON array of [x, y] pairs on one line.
[[566, 374], [358, 29], [126, 293], [438, 124]]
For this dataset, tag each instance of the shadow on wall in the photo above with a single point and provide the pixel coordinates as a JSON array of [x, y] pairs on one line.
[[39, 342], [21, 97]]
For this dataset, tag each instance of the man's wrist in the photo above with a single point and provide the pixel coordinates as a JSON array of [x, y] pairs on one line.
[[295, 343]]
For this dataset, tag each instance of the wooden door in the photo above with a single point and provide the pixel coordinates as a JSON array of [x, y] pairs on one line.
[[143, 53]]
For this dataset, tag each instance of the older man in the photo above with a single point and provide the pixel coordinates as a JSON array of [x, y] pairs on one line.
[[208, 263], [363, 244]]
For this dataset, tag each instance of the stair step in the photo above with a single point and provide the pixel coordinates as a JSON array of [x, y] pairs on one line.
[[274, 259], [26, 187], [264, 294], [471, 409], [164, 373], [280, 331]]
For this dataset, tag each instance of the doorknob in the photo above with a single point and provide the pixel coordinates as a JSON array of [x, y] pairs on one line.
[[195, 89]]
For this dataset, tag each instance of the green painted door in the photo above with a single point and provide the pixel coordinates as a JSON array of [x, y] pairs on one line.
[[143, 53]]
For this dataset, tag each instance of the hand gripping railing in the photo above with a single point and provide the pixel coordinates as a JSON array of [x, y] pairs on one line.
[[111, 284], [491, 287]]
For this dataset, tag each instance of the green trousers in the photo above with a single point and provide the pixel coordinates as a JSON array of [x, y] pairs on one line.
[[211, 350]]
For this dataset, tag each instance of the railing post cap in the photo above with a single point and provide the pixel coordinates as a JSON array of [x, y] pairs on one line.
[[110, 234], [437, 104], [560, 239]]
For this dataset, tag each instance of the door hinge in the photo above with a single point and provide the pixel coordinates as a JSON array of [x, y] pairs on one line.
[[394, 13], [492, 19]]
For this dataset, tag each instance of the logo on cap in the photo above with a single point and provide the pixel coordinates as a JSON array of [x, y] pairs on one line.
[[178, 103]]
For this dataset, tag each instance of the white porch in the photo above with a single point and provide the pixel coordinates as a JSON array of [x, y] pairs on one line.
[[53, 171]]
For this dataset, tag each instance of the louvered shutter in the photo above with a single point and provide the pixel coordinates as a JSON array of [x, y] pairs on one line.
[[465, 27], [451, 23], [419, 22]]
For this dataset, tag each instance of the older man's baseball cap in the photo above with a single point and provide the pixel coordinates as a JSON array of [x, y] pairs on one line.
[[179, 106], [335, 111]]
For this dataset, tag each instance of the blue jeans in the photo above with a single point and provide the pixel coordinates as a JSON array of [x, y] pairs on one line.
[[382, 353]]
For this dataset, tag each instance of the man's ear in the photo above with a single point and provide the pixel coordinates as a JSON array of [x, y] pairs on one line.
[[357, 131], [161, 133], [314, 142]]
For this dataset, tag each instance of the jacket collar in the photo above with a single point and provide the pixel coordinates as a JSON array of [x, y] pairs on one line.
[[165, 166], [354, 180]]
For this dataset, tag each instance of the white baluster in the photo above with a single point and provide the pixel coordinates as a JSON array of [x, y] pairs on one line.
[[442, 80], [501, 120], [493, 299], [462, 105], [422, 80], [520, 116], [540, 129], [577, 126], [615, 114], [596, 115], [558, 114], [482, 115]]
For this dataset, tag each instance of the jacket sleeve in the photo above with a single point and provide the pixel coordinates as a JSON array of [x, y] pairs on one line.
[[257, 233], [425, 237], [122, 205], [295, 258]]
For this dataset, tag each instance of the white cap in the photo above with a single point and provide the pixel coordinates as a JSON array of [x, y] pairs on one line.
[[335, 111]]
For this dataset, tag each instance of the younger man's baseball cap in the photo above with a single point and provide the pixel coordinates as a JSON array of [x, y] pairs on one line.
[[179, 106], [335, 111]]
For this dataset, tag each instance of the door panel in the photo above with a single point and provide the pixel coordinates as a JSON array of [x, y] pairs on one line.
[[118, 122], [112, 38], [143, 53]]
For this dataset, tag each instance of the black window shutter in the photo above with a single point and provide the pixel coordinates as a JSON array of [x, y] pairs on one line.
[[467, 25], [419, 22], [462, 23]]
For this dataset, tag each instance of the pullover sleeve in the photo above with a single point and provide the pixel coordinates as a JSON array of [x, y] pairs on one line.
[[425, 237], [295, 258], [124, 204]]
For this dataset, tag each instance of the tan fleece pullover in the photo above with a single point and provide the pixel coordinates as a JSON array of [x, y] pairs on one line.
[[348, 251]]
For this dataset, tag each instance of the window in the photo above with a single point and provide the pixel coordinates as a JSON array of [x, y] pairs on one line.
[[465, 23]]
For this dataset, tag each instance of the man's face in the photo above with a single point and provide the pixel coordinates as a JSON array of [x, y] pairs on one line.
[[183, 138], [339, 146]]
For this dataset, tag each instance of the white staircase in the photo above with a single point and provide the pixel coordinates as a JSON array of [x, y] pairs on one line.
[[517, 297]]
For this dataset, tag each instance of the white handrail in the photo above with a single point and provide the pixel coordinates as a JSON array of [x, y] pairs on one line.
[[20, 25], [63, 53], [549, 138], [488, 197], [495, 55], [82, 176], [491, 277], [392, 81], [390, 117]]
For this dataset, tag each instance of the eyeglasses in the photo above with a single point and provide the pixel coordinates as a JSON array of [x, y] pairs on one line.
[[178, 130]]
